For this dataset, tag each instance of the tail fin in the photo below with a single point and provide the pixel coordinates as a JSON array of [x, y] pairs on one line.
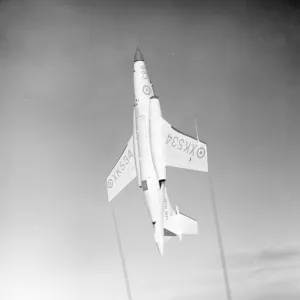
[[176, 223]]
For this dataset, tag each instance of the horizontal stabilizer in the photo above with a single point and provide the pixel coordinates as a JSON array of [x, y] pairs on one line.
[[168, 232], [180, 224], [187, 224], [176, 223]]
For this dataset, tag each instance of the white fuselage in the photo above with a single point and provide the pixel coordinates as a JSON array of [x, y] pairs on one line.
[[149, 149]]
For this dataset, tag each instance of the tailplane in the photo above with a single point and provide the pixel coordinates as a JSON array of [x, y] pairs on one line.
[[176, 223]]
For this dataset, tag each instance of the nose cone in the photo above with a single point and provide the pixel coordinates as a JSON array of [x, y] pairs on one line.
[[138, 56]]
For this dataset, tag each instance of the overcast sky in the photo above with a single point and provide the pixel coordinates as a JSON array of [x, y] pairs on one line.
[[66, 100]]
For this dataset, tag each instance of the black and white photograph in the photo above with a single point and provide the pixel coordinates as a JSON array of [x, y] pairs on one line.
[[149, 150]]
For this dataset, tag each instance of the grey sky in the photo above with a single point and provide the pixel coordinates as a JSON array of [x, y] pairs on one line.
[[66, 114]]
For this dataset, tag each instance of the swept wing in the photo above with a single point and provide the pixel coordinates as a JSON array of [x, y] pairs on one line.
[[184, 151], [122, 173]]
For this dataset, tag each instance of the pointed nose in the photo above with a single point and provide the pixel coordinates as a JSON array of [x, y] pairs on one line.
[[138, 56]]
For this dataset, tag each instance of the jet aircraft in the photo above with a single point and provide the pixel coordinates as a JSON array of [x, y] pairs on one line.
[[153, 146]]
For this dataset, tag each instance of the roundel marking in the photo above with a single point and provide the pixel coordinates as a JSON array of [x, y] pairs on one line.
[[146, 90], [200, 152], [110, 183]]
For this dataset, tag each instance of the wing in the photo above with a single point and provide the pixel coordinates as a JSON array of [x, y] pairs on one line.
[[184, 151], [123, 172]]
